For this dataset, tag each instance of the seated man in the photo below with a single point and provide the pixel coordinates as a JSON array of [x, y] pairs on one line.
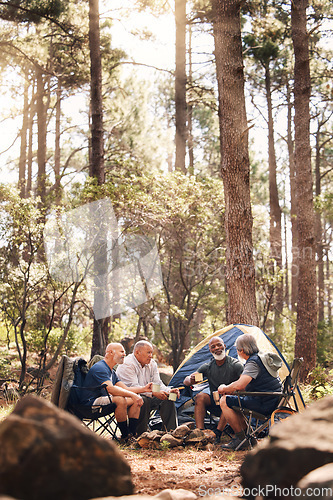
[[127, 400], [260, 375], [139, 369], [221, 369]]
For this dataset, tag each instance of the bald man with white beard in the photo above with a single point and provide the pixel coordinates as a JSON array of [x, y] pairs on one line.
[[222, 369], [127, 399]]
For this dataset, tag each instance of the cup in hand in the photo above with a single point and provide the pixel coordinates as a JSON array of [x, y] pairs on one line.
[[172, 396], [198, 377], [156, 388]]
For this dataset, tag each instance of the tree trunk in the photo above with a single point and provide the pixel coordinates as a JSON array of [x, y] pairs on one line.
[[101, 326], [41, 125], [96, 103], [30, 135], [180, 85], [286, 246], [57, 146], [293, 216], [235, 165], [306, 328], [328, 286], [319, 231], [23, 146], [275, 210], [190, 109]]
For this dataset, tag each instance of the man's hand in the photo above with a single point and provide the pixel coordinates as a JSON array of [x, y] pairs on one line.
[[160, 395], [176, 391], [147, 388], [190, 379], [137, 400], [223, 389]]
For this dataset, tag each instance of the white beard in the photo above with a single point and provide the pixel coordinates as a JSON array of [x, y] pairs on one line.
[[219, 357]]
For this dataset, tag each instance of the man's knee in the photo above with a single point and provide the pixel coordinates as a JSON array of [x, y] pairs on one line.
[[202, 399], [223, 403], [119, 401]]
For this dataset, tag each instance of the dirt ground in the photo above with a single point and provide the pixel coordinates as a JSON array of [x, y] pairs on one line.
[[200, 471]]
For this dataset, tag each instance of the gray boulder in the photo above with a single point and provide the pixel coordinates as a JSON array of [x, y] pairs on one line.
[[47, 453], [318, 483], [295, 447]]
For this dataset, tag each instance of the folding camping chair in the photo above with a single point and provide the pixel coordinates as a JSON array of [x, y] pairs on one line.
[[258, 424], [68, 393]]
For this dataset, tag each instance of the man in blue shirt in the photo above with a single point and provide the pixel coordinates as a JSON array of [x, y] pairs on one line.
[[127, 400]]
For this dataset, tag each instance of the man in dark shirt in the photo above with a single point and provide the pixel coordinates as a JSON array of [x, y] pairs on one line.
[[220, 370], [127, 400]]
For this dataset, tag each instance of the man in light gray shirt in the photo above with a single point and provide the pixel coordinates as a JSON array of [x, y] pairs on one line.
[[139, 367]]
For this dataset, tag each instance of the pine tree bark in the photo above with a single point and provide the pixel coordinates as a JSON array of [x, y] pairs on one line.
[[180, 85], [57, 150], [101, 326], [30, 138], [235, 164], [293, 215], [96, 102], [306, 328], [23, 145], [275, 210], [41, 125], [319, 230]]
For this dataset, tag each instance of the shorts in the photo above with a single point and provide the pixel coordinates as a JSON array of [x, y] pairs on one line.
[[102, 400], [260, 404]]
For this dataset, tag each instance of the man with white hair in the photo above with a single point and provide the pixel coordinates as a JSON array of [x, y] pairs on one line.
[[140, 369], [260, 374], [127, 400]]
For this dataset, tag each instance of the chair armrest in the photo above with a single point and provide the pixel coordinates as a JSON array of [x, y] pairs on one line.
[[94, 388], [248, 393]]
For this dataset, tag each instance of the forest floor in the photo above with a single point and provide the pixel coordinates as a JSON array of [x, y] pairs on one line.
[[201, 471]]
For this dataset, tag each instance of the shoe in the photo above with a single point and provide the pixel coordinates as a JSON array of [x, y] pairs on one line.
[[127, 441], [236, 441], [218, 435]]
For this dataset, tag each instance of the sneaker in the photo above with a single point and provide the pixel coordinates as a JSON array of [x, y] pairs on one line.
[[218, 435], [127, 441], [234, 443]]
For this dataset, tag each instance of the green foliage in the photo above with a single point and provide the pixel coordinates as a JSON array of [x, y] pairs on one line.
[[31, 10], [324, 343], [321, 383], [6, 410], [78, 340], [164, 445], [5, 366], [184, 216]]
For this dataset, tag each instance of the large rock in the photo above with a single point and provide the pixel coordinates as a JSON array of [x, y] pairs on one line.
[[167, 495], [181, 431], [45, 453], [295, 447], [171, 441], [200, 437], [318, 483]]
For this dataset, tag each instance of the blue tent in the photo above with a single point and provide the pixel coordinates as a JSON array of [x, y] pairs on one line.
[[200, 354]]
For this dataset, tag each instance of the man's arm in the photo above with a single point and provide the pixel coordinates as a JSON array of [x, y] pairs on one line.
[[118, 390], [190, 379], [136, 390], [238, 385]]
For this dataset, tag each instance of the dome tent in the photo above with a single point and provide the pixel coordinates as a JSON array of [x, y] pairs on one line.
[[200, 354]]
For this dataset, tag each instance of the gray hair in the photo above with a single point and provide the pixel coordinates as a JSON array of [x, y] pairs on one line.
[[140, 344], [247, 343]]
